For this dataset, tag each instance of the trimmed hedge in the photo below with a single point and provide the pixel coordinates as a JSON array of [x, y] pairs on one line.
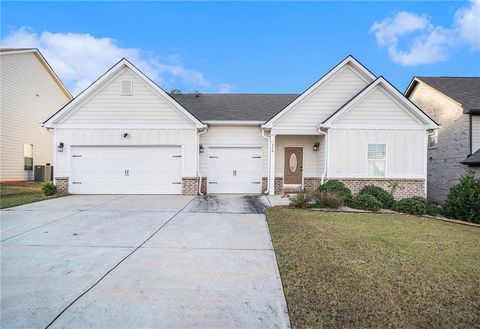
[[338, 187], [380, 194], [365, 202], [412, 206], [329, 199]]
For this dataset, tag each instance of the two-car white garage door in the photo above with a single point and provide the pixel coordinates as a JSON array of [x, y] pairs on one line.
[[126, 170]]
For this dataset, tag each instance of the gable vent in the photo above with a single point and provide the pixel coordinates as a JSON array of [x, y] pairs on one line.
[[127, 87]]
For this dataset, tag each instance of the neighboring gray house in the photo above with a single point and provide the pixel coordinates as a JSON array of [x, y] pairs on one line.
[[454, 103]]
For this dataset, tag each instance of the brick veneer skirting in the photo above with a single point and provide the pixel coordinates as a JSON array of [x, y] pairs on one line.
[[405, 188], [189, 185], [61, 184], [278, 185], [203, 187], [311, 183], [264, 184]]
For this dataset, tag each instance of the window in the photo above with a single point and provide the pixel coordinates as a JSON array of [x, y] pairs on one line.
[[376, 160], [127, 88], [433, 139], [27, 156]]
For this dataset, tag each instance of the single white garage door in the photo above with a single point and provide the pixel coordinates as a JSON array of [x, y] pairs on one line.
[[234, 170], [126, 170]]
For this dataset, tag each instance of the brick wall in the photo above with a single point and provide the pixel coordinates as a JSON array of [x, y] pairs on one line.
[[278, 185], [264, 184], [61, 184], [189, 185], [311, 183], [203, 187], [405, 188]]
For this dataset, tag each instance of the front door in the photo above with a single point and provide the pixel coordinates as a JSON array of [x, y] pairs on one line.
[[293, 165]]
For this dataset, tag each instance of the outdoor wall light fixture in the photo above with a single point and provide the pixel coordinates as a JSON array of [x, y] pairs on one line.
[[125, 135], [60, 147], [316, 146], [201, 149]]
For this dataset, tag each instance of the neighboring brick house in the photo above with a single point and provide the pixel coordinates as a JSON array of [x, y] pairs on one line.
[[454, 103]]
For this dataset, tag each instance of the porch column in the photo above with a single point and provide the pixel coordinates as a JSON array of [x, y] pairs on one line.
[[271, 179]]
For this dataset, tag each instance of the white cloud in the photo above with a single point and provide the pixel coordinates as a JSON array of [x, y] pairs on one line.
[[467, 22], [79, 59], [224, 88], [428, 44]]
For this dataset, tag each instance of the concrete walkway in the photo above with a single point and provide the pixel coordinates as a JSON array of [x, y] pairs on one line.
[[140, 261]]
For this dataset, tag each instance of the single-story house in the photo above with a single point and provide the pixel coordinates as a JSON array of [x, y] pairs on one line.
[[30, 92], [453, 149], [124, 134]]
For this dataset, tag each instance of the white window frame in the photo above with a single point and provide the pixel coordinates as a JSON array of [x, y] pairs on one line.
[[435, 134], [384, 160], [131, 87], [25, 157]]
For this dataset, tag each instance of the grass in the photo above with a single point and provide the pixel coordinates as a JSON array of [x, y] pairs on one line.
[[18, 193], [376, 270]]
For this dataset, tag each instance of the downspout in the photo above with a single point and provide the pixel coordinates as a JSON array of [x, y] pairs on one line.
[[205, 129], [322, 180], [268, 160]]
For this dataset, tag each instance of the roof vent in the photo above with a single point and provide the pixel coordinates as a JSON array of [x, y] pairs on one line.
[[127, 87]]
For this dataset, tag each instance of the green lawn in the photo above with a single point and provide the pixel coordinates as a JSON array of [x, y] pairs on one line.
[[18, 193], [376, 270]]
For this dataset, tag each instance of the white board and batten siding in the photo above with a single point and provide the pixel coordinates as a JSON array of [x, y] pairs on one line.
[[378, 108], [145, 125], [475, 133], [406, 152], [29, 95], [325, 99], [144, 106]]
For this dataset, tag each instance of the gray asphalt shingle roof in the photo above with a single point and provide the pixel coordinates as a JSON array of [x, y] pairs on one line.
[[473, 159], [466, 91], [234, 107]]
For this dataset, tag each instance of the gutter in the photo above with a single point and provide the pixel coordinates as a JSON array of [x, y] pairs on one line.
[[205, 129], [324, 174], [267, 191]]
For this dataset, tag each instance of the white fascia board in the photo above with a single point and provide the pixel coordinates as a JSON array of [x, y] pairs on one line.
[[429, 123], [233, 123], [332, 72], [294, 131], [124, 126], [51, 122]]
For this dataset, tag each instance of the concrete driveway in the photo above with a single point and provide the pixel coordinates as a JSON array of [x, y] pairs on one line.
[[91, 261]]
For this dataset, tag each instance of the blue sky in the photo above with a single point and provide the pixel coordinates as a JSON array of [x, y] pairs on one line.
[[271, 47]]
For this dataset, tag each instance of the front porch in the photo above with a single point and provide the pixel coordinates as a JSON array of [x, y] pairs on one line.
[[297, 162]]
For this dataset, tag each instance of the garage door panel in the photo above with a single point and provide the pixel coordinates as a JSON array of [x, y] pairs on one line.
[[126, 170], [234, 170]]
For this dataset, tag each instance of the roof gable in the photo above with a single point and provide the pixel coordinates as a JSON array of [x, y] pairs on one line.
[[365, 74], [42, 60], [379, 104], [95, 99]]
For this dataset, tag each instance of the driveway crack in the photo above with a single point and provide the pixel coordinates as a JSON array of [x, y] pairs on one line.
[[116, 265]]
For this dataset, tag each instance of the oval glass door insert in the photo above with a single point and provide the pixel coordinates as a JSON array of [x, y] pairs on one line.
[[292, 162]]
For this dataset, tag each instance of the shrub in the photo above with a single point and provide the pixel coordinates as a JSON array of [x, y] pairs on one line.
[[380, 194], [329, 199], [366, 202], [300, 200], [337, 186], [48, 188], [431, 209], [412, 206], [463, 200]]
